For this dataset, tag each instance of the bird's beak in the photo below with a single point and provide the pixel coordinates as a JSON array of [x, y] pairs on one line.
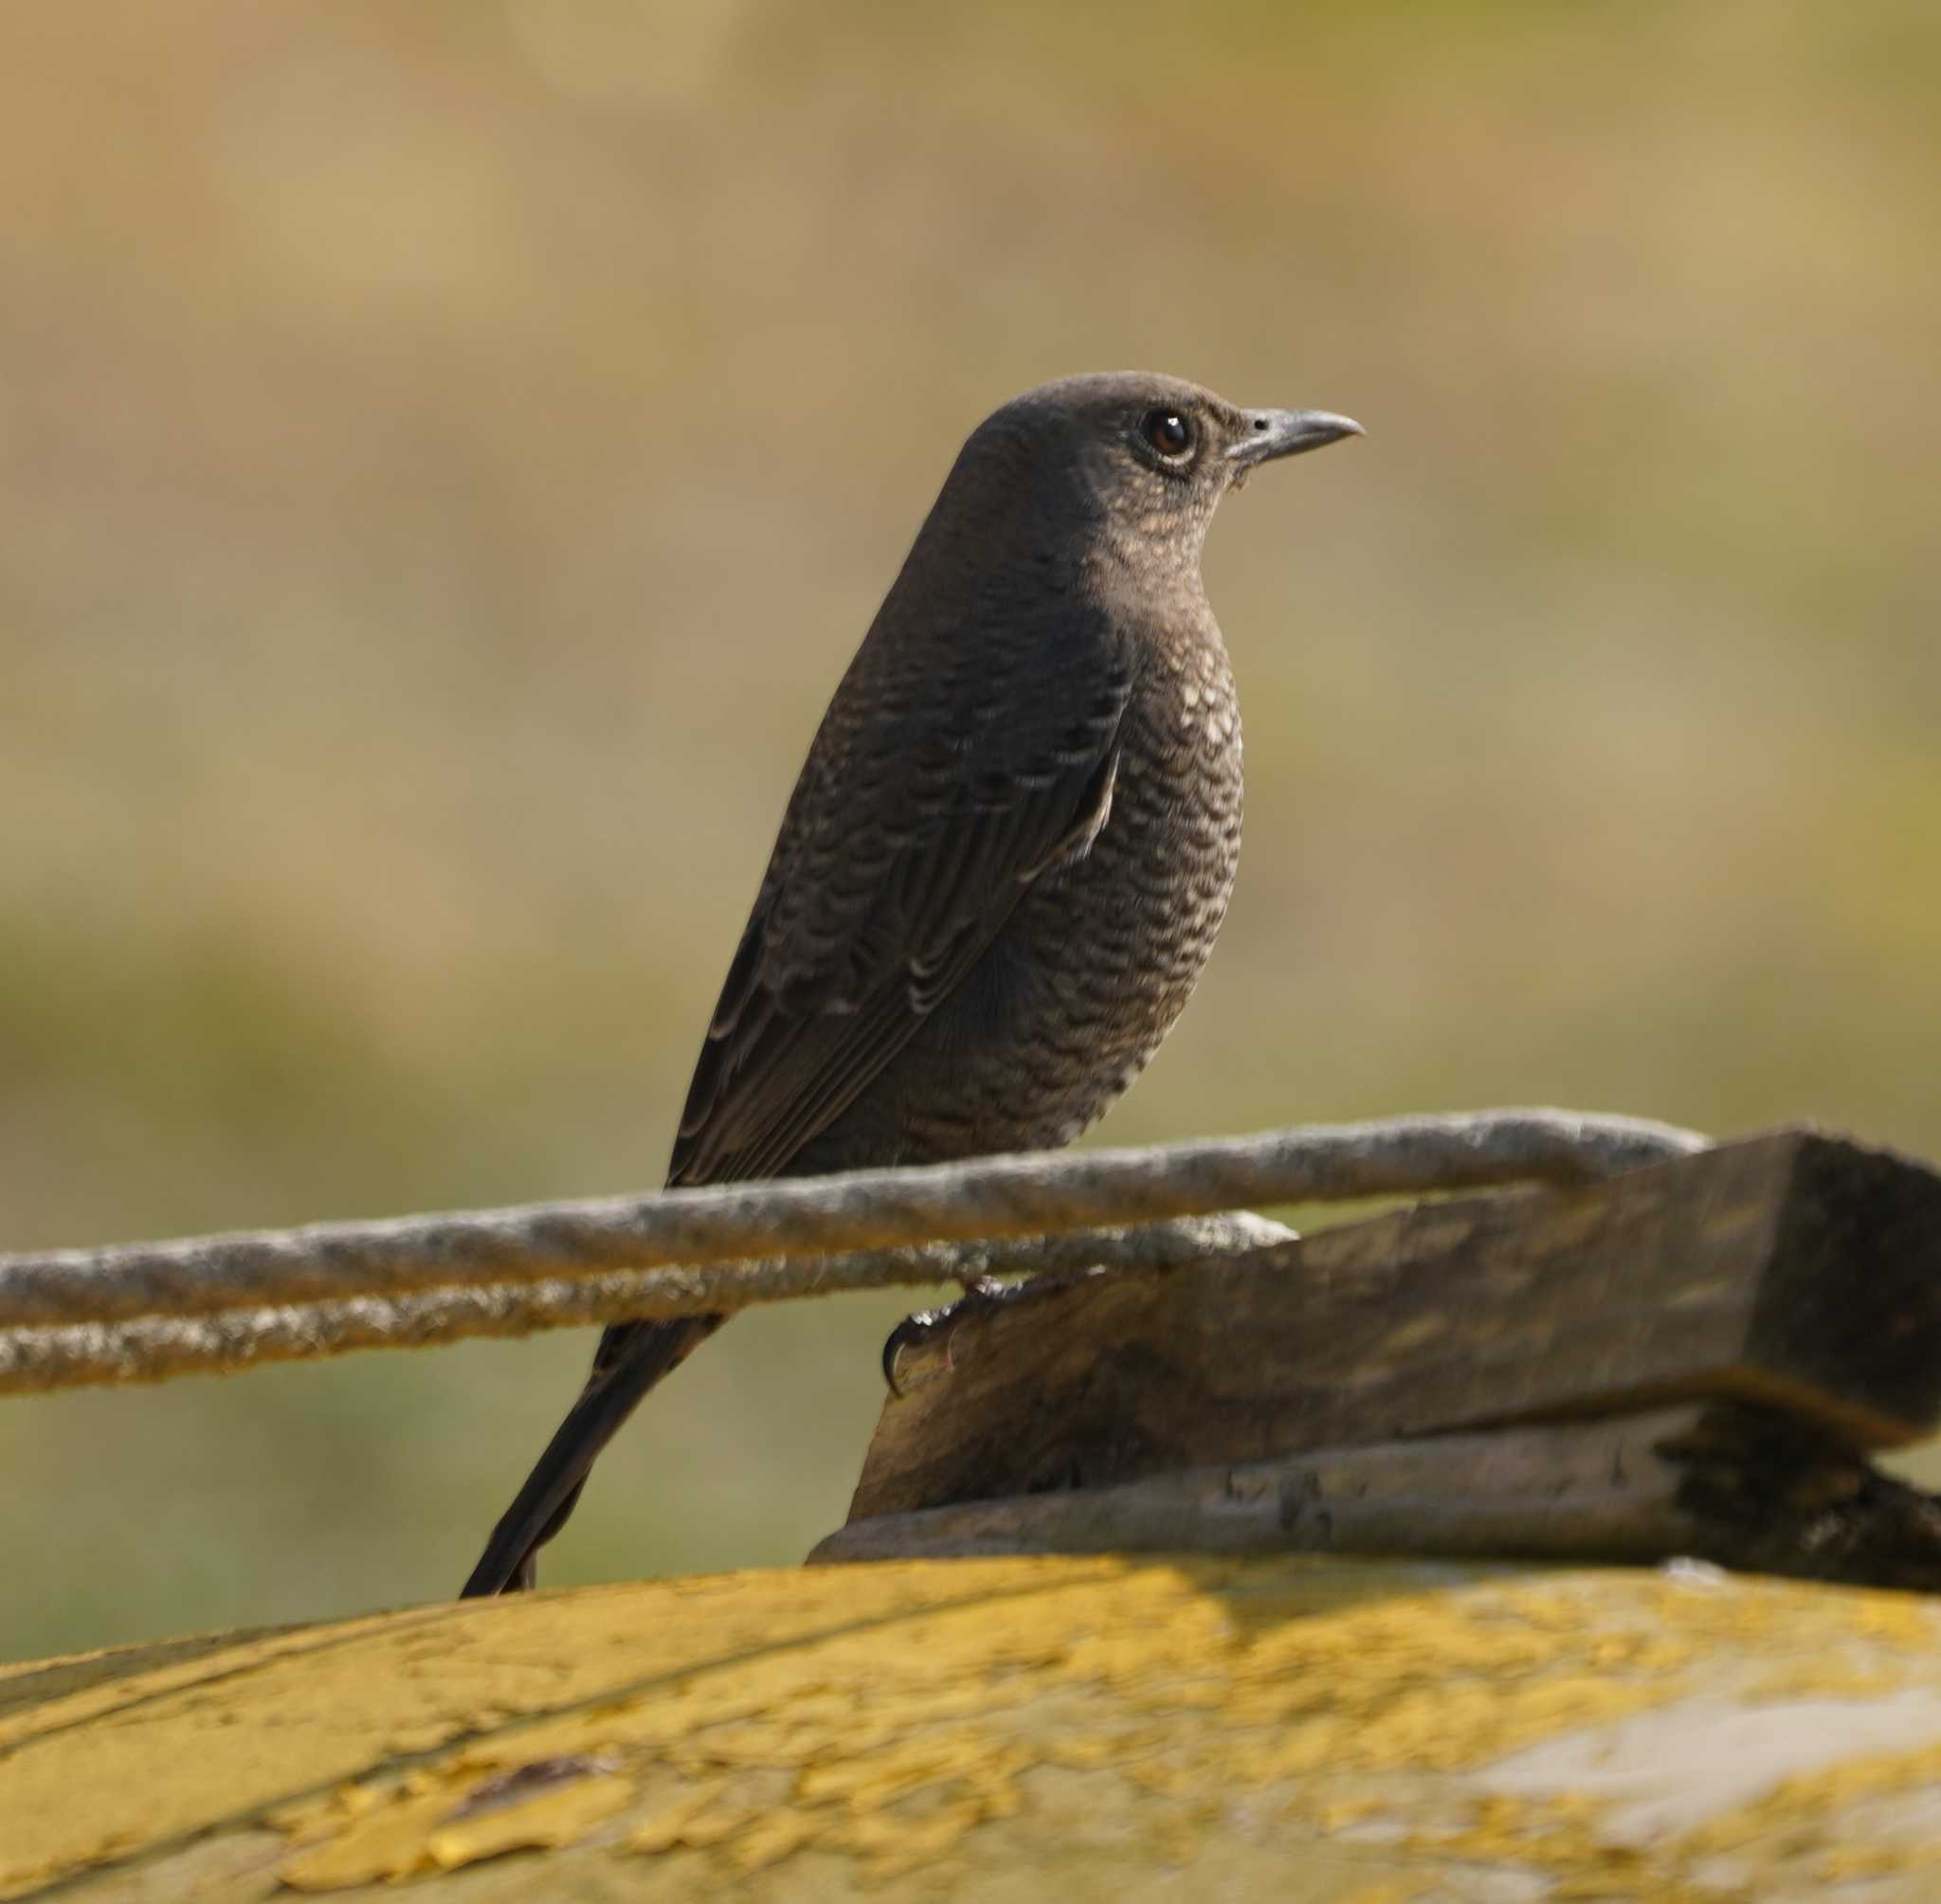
[[1272, 433]]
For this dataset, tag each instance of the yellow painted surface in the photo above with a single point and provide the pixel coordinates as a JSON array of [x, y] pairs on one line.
[[1061, 1729]]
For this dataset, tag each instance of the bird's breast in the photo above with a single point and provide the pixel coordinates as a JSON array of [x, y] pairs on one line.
[[1166, 861], [1099, 959]]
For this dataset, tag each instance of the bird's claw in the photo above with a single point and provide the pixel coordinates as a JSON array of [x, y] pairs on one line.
[[906, 1334], [982, 1292]]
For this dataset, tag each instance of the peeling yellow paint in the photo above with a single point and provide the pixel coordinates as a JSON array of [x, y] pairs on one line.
[[424, 1823], [967, 1717], [1819, 1794], [663, 1829]]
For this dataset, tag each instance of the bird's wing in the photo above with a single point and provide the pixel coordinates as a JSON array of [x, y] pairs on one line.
[[931, 801]]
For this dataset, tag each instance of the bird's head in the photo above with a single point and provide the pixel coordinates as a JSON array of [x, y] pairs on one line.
[[1145, 458]]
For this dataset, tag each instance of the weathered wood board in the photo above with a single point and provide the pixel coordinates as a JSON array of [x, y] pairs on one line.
[[1738, 1486], [1792, 1270], [1319, 1731]]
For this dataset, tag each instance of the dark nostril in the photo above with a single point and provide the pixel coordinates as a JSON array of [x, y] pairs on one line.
[[1260, 423]]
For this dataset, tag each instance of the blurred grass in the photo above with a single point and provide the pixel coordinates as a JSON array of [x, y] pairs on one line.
[[446, 455]]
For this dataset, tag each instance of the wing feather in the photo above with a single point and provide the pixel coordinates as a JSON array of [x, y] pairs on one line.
[[905, 848]]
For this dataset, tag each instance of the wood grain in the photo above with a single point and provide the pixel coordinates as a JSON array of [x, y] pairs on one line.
[[1738, 1486]]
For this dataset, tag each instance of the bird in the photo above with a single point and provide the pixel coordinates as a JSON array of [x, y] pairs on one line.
[[1007, 853]]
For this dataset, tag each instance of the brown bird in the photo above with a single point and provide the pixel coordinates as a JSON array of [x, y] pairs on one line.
[[1007, 853]]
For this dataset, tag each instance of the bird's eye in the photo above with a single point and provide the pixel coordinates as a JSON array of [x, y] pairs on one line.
[[1169, 432]]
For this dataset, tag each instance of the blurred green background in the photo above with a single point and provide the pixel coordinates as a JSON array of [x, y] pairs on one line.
[[448, 452]]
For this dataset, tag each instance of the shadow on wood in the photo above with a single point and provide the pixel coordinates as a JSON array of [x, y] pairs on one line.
[[1687, 1358]]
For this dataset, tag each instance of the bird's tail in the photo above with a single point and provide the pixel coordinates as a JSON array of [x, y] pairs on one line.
[[631, 1358]]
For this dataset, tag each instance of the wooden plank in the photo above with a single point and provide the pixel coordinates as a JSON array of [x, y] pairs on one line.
[[1042, 1729], [1790, 1269], [1715, 1481], [1581, 1490]]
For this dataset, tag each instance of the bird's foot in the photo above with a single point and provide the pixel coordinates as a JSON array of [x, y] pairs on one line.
[[982, 1296]]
